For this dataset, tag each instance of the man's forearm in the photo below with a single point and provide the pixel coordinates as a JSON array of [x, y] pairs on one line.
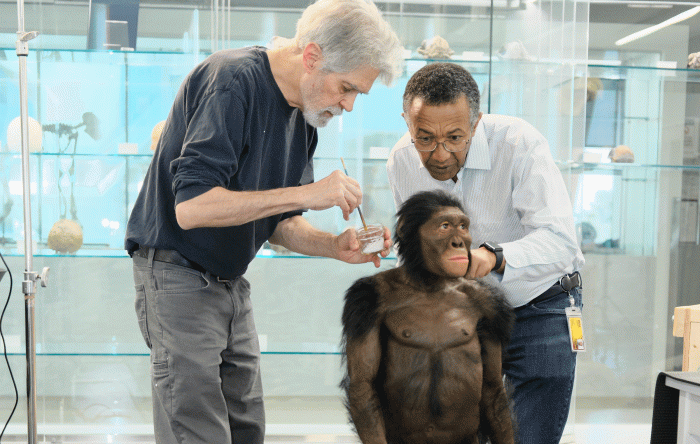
[[298, 235], [220, 207]]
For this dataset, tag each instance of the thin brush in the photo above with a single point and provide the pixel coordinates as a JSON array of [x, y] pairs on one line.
[[358, 208]]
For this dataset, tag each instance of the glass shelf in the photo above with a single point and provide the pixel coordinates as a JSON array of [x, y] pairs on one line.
[[630, 70], [140, 349], [577, 167]]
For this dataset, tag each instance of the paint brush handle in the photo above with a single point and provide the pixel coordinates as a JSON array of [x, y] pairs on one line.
[[359, 210]]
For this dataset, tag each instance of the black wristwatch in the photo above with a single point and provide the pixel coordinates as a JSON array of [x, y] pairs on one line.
[[496, 249]]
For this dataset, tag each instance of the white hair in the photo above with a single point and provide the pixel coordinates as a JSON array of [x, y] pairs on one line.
[[351, 34]]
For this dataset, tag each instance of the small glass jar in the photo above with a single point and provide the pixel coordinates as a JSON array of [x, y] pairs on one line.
[[371, 239]]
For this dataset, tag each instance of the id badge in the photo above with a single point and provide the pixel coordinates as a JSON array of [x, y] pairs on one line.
[[573, 319]]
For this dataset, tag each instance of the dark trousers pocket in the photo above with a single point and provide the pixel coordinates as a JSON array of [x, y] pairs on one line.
[[140, 305]]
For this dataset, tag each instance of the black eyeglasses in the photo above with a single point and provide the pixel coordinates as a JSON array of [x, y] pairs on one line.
[[453, 144]]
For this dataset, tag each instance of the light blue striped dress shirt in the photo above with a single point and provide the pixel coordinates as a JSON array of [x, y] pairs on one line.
[[514, 195]]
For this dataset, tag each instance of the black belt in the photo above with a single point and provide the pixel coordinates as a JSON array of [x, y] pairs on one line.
[[169, 256], [564, 285]]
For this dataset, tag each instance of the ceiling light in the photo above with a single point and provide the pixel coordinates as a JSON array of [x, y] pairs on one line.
[[650, 5], [645, 32]]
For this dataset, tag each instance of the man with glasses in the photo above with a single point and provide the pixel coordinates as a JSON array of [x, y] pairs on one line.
[[522, 223]]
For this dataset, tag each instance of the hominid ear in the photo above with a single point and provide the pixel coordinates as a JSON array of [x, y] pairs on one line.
[[399, 230]]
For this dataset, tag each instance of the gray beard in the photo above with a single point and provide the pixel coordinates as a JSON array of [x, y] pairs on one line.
[[317, 119]]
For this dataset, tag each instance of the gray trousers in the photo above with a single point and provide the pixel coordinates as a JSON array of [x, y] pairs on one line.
[[205, 356]]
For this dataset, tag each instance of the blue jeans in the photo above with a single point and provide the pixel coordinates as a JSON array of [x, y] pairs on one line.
[[540, 366], [205, 357]]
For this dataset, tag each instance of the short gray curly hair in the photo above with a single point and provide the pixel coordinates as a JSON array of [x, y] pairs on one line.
[[351, 34]]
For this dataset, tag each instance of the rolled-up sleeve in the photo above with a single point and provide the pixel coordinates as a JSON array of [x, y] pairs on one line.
[[210, 150]]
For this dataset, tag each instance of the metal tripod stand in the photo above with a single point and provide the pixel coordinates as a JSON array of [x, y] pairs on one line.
[[30, 277]]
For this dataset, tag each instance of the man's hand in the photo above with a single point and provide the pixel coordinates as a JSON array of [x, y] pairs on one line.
[[336, 189], [482, 263], [348, 248]]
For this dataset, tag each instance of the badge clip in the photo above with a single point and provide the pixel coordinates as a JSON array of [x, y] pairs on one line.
[[573, 320]]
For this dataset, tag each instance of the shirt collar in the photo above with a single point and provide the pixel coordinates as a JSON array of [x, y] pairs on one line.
[[478, 157]]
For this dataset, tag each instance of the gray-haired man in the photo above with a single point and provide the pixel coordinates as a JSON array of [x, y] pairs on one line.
[[233, 169]]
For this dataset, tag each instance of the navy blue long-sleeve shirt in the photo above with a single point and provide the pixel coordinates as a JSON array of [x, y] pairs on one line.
[[230, 126]]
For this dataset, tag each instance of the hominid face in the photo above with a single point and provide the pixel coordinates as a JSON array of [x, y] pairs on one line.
[[446, 242]]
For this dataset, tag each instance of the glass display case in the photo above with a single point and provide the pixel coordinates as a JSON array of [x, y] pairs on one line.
[[96, 110], [637, 220], [92, 173]]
